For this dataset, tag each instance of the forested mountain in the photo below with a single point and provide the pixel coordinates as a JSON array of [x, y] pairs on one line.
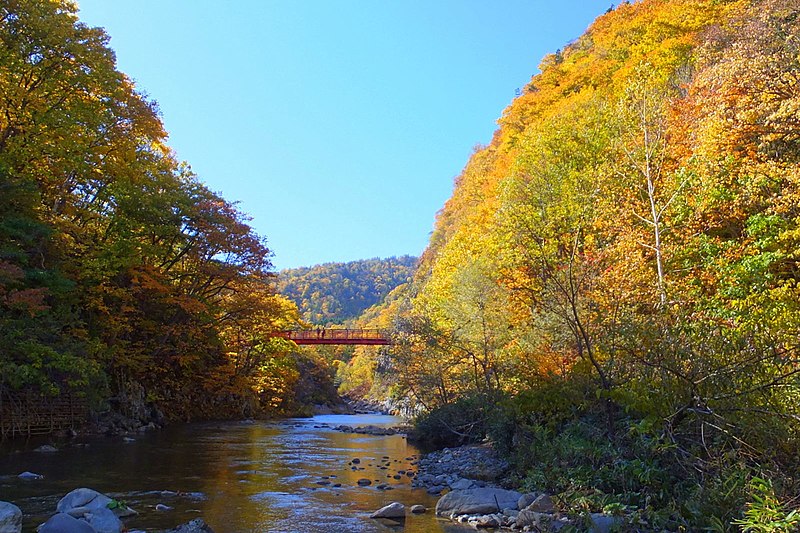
[[334, 293], [612, 290], [121, 275]]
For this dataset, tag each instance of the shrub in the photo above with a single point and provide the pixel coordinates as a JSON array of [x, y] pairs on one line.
[[463, 421]]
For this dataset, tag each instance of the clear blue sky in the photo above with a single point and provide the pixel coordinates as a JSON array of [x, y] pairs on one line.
[[338, 125]]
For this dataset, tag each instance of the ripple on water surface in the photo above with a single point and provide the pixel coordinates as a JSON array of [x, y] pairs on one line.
[[275, 477]]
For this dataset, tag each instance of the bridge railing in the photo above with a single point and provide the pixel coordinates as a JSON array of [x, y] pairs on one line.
[[335, 334]]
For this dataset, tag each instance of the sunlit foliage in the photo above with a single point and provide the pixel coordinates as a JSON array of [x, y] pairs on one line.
[[629, 238], [118, 267]]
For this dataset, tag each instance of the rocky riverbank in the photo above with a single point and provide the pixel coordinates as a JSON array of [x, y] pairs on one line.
[[460, 468], [471, 479]]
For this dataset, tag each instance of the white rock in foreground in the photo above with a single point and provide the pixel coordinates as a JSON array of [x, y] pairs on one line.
[[10, 518]]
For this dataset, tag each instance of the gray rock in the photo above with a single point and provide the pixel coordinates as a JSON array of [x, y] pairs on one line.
[[486, 521], [10, 518], [477, 501], [64, 523], [195, 526], [78, 512], [542, 504], [418, 509], [162, 507], [393, 510], [30, 476], [46, 448], [603, 523], [93, 507], [104, 521], [83, 497], [462, 484], [527, 518], [527, 499], [364, 482]]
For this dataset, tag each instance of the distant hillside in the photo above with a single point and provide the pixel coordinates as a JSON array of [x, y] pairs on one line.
[[336, 292]]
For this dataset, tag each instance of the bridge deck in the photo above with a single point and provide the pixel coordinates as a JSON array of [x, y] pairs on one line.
[[363, 337]]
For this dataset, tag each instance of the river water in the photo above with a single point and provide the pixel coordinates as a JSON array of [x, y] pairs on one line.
[[238, 477]]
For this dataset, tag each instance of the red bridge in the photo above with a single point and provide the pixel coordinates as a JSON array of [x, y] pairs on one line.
[[364, 337]]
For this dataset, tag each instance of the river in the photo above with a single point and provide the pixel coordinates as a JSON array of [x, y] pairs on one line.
[[238, 477]]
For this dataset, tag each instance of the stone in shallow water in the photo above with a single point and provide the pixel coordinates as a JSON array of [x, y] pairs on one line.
[[394, 510], [100, 511], [364, 482], [46, 449], [30, 476], [418, 509], [83, 497]]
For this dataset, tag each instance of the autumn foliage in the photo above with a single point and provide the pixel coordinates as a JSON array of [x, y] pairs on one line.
[[119, 269], [628, 242]]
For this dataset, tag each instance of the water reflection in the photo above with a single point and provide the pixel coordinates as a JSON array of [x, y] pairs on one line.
[[291, 476]]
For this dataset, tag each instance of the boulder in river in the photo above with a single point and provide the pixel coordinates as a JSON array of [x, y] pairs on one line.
[[477, 501], [46, 448], [83, 497], [394, 510], [64, 523], [418, 509], [30, 476], [10, 518], [91, 500], [364, 482], [98, 510]]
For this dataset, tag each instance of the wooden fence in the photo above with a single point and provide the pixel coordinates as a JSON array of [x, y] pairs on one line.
[[26, 414]]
